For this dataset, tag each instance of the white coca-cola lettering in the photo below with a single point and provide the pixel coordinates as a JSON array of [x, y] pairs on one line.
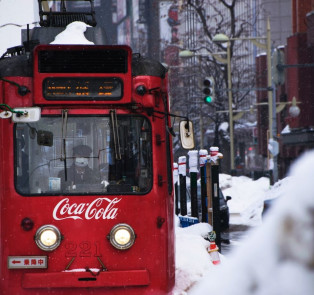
[[99, 208]]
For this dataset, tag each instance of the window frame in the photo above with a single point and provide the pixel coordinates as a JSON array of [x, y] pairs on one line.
[[63, 193]]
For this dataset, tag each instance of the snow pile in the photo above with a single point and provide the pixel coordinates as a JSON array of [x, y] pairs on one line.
[[278, 190], [278, 257], [247, 197], [73, 34], [192, 258]]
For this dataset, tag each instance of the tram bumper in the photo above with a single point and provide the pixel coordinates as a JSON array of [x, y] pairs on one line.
[[83, 279]]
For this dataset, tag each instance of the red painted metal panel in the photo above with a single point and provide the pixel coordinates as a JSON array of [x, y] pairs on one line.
[[86, 279]]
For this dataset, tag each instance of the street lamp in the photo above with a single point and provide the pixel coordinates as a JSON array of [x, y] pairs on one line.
[[294, 110], [222, 38], [186, 53]]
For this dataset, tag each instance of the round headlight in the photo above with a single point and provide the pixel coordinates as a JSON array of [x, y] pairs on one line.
[[48, 237], [122, 236]]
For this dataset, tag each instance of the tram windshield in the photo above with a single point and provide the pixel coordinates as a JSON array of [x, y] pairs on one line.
[[83, 155]]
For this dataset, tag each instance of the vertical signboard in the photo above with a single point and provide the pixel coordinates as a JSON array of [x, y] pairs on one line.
[[169, 32]]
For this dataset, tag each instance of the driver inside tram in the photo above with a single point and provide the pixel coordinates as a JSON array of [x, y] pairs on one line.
[[79, 174]]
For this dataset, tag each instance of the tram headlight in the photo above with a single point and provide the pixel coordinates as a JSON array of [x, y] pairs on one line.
[[122, 236], [48, 237]]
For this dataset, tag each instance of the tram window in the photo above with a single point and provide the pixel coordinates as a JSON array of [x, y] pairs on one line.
[[85, 155]]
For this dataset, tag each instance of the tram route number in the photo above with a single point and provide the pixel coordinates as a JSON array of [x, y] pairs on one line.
[[83, 249]]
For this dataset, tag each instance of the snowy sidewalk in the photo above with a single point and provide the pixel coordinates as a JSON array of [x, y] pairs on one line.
[[275, 258]]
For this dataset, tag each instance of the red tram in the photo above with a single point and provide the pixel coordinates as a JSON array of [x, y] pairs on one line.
[[85, 173]]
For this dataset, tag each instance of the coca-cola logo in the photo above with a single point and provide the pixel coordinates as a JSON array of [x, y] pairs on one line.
[[101, 208]]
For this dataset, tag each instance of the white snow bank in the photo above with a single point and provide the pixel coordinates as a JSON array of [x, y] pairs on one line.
[[192, 258], [278, 190], [278, 257], [247, 197]]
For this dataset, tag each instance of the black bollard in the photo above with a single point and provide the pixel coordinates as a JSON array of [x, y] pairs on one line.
[[182, 180], [214, 158], [193, 182], [176, 193], [203, 156]]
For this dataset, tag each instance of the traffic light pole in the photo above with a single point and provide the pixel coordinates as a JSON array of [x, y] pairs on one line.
[[230, 109], [270, 95]]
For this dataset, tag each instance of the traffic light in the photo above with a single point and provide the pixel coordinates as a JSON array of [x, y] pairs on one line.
[[209, 90]]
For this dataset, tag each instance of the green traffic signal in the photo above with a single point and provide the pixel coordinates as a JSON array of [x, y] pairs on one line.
[[209, 90], [208, 99]]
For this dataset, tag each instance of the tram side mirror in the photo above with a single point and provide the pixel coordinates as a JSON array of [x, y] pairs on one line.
[[44, 138], [187, 134]]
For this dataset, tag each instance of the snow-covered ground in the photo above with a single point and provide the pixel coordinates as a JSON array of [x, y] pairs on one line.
[[277, 255]]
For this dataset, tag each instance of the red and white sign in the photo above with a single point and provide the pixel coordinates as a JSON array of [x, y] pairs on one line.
[[27, 262], [101, 208]]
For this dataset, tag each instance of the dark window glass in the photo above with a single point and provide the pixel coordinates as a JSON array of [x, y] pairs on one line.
[[83, 155]]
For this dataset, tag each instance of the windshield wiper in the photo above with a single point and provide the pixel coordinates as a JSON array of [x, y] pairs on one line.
[[63, 142], [116, 142]]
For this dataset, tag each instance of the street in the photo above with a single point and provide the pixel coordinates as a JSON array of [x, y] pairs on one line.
[[233, 237]]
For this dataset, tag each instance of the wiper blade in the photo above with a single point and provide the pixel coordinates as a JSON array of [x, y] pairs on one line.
[[63, 143], [116, 142]]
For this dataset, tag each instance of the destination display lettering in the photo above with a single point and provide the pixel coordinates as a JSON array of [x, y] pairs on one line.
[[87, 88]]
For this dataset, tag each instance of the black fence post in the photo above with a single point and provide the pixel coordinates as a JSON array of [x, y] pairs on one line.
[[175, 180], [214, 158], [203, 156], [182, 179], [193, 161], [208, 177]]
